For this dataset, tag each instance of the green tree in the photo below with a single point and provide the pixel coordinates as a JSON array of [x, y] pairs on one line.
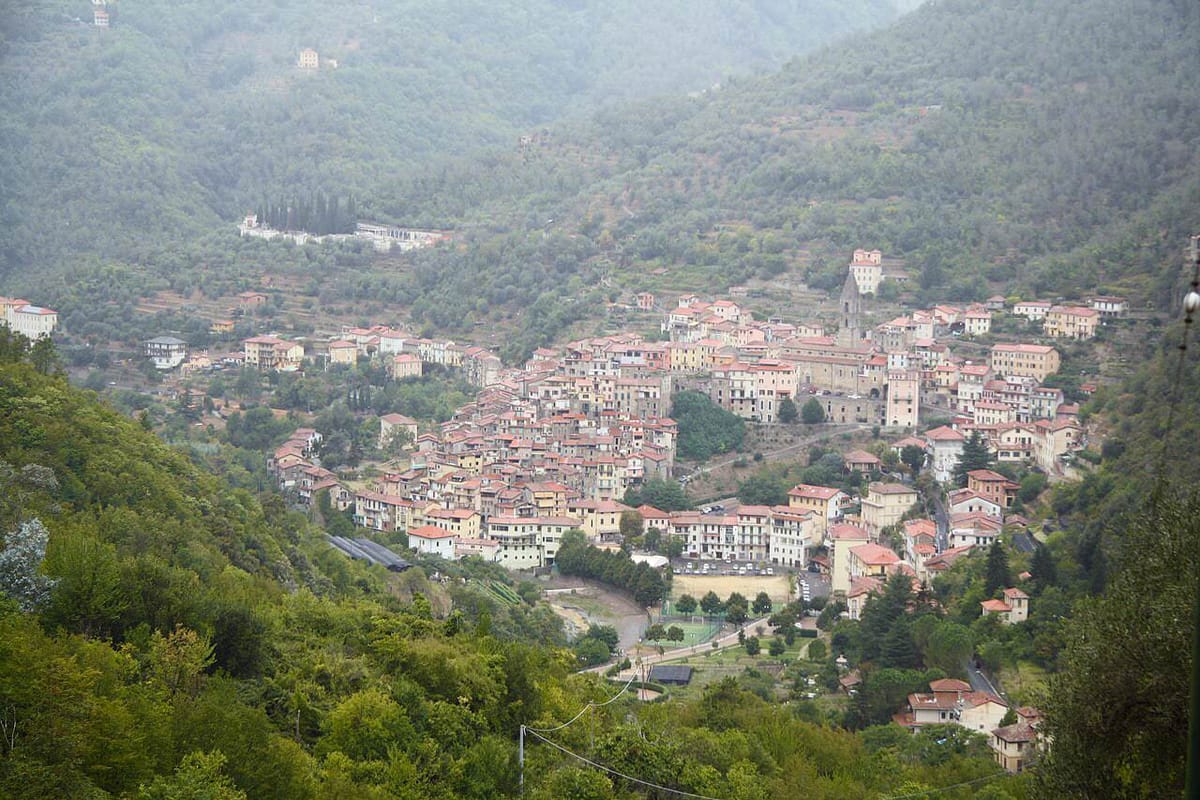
[[950, 645], [1146, 609], [787, 411], [975, 455], [705, 429], [762, 603], [753, 646], [736, 613], [777, 647], [686, 604], [199, 776], [710, 604], [656, 633], [1042, 569], [817, 650], [661, 494], [812, 413], [631, 525], [365, 725], [898, 650], [1032, 486], [913, 457], [881, 612], [762, 490], [675, 634], [996, 576]]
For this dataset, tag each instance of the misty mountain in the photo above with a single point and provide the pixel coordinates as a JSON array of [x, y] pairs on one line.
[[178, 116]]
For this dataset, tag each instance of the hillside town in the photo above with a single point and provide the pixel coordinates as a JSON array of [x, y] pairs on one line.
[[556, 444]]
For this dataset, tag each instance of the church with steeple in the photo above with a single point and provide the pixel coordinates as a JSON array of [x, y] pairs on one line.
[[850, 331]]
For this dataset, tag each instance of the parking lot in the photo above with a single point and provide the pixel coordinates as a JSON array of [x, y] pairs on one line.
[[694, 566]]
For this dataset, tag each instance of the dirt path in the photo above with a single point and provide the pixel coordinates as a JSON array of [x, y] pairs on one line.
[[595, 603]]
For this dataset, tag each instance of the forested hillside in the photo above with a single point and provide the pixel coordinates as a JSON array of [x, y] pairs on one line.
[[1015, 147], [180, 116]]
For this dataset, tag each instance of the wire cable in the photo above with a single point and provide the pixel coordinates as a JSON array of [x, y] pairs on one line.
[[1177, 379], [590, 705], [941, 789], [619, 774]]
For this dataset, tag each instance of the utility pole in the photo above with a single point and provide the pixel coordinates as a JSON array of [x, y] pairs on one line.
[[521, 762], [1191, 304]]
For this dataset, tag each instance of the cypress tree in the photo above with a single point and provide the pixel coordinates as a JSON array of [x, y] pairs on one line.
[[1042, 568], [975, 455], [997, 576]]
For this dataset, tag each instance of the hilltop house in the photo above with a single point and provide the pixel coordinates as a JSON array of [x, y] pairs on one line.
[[1012, 609], [166, 352]]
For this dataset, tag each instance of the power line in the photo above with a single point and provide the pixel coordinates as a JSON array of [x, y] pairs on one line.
[[1191, 304], [590, 705], [683, 793], [619, 774], [941, 789]]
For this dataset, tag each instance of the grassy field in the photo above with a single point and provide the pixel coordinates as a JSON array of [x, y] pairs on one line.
[[733, 661], [693, 632], [776, 586], [1025, 683]]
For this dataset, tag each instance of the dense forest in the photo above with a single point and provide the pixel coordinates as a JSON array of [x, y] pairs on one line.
[[1035, 151]]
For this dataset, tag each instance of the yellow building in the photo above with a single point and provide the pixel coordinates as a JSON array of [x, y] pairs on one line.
[[343, 352], [824, 503], [405, 365], [1071, 322], [885, 504], [272, 353], [1024, 360], [461, 521]]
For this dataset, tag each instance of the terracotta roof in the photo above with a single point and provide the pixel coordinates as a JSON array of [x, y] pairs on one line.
[[816, 492], [891, 488], [949, 685], [847, 531], [430, 532], [1019, 732], [650, 512], [874, 554]]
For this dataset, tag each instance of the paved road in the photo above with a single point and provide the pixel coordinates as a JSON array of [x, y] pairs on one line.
[[943, 522], [649, 659], [980, 682]]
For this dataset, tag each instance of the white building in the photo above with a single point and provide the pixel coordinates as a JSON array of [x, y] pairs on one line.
[[28, 320], [166, 352], [432, 541]]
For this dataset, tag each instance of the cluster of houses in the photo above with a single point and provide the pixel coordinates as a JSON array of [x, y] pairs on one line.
[[27, 319], [953, 702], [887, 374]]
